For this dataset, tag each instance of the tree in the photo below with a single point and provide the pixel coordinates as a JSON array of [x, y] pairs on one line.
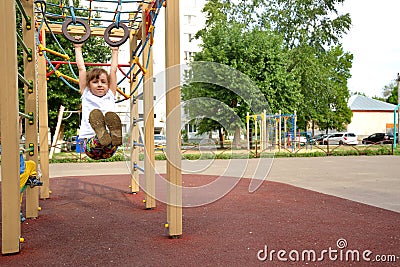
[[312, 30], [255, 53], [290, 49], [390, 93]]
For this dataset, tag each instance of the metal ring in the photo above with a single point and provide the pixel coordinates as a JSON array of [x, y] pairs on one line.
[[107, 34], [64, 28]]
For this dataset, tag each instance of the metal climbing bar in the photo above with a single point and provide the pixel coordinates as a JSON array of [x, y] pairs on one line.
[[20, 41], [23, 12], [123, 93], [25, 81], [59, 74], [26, 116], [43, 48], [137, 167], [136, 61]]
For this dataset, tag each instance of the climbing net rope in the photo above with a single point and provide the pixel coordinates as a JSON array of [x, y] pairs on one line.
[[126, 16]]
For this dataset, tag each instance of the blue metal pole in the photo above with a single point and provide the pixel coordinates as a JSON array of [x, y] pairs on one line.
[[394, 126]]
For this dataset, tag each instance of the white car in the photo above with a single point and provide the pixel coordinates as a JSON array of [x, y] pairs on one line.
[[159, 140], [341, 139]]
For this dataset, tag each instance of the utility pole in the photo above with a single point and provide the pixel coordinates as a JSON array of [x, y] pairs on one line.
[[398, 110]]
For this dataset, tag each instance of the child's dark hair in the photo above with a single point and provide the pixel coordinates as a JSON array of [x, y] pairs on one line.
[[95, 74]]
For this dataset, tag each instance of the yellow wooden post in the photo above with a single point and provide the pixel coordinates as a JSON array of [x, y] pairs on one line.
[[264, 132], [248, 130], [11, 226], [173, 122], [134, 117], [31, 129], [148, 114], [43, 124]]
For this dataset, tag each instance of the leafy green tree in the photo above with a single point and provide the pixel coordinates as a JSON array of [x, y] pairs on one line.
[[311, 30], [390, 93], [251, 51]]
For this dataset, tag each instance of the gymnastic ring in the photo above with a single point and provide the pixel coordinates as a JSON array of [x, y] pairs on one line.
[[65, 32], [107, 34]]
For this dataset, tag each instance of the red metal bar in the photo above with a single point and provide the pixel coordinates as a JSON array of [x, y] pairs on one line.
[[52, 71]]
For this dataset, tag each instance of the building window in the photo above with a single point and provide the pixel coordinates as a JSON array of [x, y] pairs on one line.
[[191, 128], [189, 55], [189, 19], [189, 37], [188, 74]]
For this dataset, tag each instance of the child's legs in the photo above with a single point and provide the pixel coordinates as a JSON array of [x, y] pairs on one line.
[[96, 151], [30, 170]]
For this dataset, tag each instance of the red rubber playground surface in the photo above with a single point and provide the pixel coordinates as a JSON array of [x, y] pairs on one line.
[[94, 221]]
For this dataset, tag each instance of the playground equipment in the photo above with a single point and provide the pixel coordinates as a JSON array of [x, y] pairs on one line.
[[270, 128], [35, 27]]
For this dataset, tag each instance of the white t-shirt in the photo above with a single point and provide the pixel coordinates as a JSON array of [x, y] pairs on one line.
[[89, 102]]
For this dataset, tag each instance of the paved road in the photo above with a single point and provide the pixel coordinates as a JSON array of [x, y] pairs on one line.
[[373, 180]]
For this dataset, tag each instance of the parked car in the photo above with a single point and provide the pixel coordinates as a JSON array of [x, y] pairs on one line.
[[383, 138], [301, 139], [341, 139], [318, 138], [159, 141]]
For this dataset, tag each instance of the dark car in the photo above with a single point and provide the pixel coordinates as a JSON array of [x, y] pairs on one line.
[[382, 138], [317, 139]]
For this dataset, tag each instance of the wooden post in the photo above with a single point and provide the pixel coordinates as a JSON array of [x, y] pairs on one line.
[[264, 131], [57, 132], [173, 121], [31, 129], [134, 116], [280, 130], [255, 131], [148, 114], [248, 130], [11, 226], [43, 124]]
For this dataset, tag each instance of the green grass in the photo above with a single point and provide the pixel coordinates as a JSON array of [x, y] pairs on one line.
[[65, 157]]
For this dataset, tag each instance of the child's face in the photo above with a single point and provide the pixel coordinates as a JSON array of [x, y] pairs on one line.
[[99, 87]]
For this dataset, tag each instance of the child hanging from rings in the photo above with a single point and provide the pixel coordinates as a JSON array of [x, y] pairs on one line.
[[98, 90]]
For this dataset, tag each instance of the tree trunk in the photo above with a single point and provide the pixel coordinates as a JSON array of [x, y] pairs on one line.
[[221, 137], [236, 138]]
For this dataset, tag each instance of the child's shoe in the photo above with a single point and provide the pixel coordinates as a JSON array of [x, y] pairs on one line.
[[113, 123], [96, 120], [33, 181]]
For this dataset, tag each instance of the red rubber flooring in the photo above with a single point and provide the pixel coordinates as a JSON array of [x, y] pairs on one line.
[[94, 221]]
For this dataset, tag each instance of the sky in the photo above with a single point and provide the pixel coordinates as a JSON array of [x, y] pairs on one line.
[[374, 41]]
